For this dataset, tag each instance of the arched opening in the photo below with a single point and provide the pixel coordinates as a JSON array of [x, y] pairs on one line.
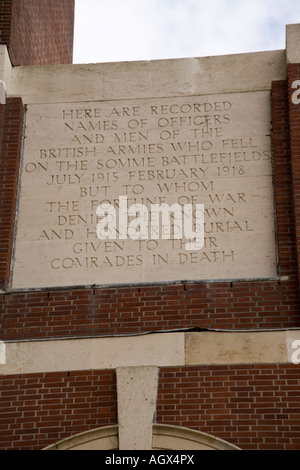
[[163, 438]]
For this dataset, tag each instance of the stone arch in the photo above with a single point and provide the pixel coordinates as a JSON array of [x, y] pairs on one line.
[[98, 439], [163, 438], [176, 438]]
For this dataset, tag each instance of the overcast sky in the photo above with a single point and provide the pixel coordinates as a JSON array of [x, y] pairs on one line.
[[126, 30]]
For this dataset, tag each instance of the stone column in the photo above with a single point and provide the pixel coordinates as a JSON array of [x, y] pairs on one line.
[[137, 393]]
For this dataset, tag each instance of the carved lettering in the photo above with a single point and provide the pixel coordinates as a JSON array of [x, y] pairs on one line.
[[212, 151]]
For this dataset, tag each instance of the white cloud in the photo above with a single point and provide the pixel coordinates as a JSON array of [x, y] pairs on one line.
[[118, 30]]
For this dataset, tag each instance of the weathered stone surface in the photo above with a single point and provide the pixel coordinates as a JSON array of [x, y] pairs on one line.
[[213, 150]]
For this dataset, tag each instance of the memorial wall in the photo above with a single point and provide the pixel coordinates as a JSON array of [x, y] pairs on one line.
[[150, 247], [146, 190]]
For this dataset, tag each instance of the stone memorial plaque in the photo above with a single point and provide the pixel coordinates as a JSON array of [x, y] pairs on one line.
[[211, 151]]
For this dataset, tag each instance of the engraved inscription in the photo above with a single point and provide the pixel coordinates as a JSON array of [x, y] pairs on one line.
[[211, 150]]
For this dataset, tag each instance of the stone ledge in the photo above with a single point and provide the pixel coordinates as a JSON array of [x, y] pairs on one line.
[[160, 350]]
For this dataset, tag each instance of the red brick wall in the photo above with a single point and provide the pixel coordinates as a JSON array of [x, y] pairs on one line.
[[294, 118], [283, 178], [251, 406], [5, 21], [38, 32], [255, 407], [116, 311], [12, 115], [2, 117], [39, 410]]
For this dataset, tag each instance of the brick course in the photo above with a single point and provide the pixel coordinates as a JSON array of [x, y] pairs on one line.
[[117, 311]]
